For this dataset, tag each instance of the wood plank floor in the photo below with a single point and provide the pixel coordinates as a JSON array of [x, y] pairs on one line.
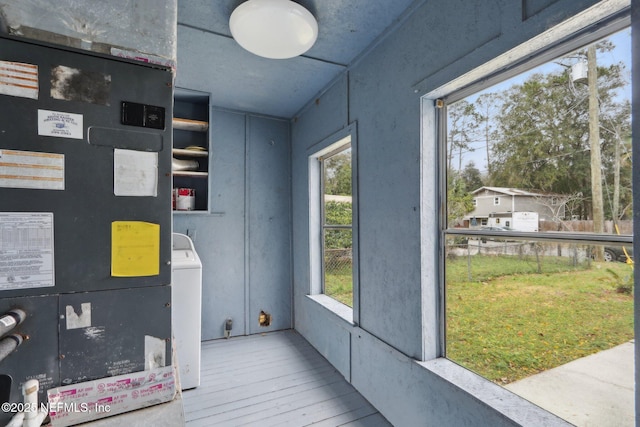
[[275, 379]]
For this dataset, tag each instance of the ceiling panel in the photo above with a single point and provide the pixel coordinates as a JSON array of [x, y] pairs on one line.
[[242, 81], [210, 60]]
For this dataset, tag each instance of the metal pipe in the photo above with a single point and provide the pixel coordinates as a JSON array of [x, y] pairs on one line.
[[8, 344]]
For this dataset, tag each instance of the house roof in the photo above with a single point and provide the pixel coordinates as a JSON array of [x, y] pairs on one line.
[[508, 191]]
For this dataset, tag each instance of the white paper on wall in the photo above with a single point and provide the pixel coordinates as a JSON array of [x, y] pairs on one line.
[[135, 173]]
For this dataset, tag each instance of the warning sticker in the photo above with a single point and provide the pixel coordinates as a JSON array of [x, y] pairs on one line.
[[19, 79]]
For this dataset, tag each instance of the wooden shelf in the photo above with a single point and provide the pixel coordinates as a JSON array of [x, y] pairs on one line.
[[188, 124], [191, 174], [191, 145], [189, 153]]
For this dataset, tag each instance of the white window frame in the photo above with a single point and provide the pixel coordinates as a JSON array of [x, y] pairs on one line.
[[600, 20], [585, 238], [316, 243]]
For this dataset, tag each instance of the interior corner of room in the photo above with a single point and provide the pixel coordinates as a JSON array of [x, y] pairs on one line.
[[208, 217]]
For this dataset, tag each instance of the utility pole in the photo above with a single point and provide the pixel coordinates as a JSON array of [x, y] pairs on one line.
[[616, 178], [594, 142]]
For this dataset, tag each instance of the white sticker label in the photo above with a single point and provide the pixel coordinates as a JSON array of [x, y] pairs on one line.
[[88, 401], [28, 169], [8, 321], [60, 125], [19, 79]]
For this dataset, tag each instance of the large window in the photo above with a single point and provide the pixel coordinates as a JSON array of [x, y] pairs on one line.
[[539, 268]]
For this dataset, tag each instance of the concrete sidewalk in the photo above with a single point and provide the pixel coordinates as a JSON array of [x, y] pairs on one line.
[[597, 390]]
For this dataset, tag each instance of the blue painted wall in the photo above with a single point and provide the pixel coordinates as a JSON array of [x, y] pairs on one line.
[[244, 241], [381, 93], [268, 196]]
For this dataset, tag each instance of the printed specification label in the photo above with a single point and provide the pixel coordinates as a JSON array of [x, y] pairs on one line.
[[26, 250]]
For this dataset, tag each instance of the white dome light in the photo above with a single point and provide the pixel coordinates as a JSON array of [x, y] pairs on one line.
[[276, 29]]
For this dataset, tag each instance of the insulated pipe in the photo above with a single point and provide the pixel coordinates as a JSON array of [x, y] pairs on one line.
[[8, 344], [30, 395], [17, 420], [11, 319], [33, 416], [37, 420]]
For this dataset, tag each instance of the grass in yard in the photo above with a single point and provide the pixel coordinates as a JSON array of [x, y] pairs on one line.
[[338, 284], [510, 322]]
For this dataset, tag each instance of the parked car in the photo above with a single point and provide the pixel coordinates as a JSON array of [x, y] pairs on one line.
[[492, 228], [616, 253], [495, 228]]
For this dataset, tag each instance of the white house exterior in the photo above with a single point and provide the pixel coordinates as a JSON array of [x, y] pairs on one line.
[[502, 202], [520, 221]]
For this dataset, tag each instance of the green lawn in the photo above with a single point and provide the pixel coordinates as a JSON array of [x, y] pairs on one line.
[[510, 322], [339, 284]]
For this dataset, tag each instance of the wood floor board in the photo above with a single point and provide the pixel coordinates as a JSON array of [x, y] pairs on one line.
[[274, 379]]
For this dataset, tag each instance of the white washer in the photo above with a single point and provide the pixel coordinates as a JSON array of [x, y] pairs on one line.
[[186, 308]]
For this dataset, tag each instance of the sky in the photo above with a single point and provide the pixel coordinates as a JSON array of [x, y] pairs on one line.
[[621, 53]]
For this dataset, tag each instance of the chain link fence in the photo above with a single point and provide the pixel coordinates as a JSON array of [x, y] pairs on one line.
[[337, 260], [522, 249]]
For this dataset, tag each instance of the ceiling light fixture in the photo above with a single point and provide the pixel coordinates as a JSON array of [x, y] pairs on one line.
[[276, 29]]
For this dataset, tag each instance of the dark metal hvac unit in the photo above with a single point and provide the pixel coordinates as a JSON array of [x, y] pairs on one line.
[[85, 215]]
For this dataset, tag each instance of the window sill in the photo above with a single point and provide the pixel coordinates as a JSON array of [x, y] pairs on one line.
[[339, 309], [198, 212], [507, 403]]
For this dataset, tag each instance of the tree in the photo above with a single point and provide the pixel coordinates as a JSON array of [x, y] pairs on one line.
[[561, 207], [488, 105], [471, 177], [338, 213], [459, 200], [463, 125], [338, 174], [617, 161], [542, 134]]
